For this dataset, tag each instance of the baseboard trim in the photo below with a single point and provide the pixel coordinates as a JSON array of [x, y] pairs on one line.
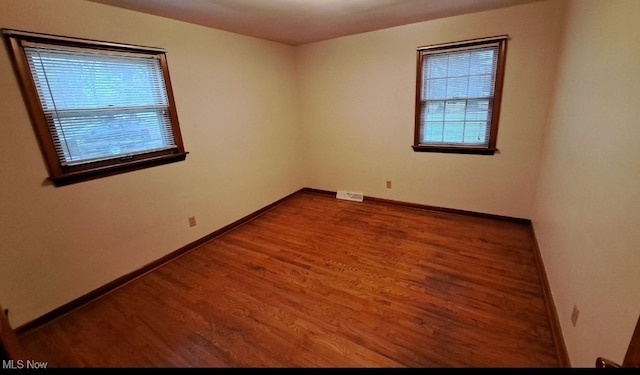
[[97, 293], [432, 208], [552, 312]]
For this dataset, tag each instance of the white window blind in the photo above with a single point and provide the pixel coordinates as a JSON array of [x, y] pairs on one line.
[[101, 104], [457, 96]]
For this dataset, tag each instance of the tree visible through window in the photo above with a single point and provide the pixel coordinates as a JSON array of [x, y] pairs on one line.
[[459, 86], [98, 108]]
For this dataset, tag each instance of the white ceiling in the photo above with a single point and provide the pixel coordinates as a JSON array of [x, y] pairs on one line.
[[298, 22]]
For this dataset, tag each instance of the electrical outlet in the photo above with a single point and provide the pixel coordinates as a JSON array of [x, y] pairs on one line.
[[574, 315], [192, 221], [388, 184]]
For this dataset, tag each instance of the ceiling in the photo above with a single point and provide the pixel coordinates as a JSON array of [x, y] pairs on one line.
[[296, 22]]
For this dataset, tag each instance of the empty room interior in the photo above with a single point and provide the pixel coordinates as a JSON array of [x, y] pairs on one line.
[[239, 252]]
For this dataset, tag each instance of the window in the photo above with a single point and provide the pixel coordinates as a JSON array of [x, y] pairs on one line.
[[97, 108], [458, 92]]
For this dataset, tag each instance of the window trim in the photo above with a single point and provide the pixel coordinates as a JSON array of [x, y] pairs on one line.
[[491, 147], [63, 175]]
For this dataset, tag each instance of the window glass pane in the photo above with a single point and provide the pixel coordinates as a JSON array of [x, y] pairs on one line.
[[97, 137], [477, 110], [434, 111], [480, 86], [437, 88], [101, 106], [433, 132], [454, 110], [475, 133], [482, 61], [456, 121], [437, 66], [457, 87], [453, 132], [457, 95], [458, 64], [82, 80]]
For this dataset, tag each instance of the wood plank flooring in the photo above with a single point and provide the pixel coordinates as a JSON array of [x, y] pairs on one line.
[[321, 282]]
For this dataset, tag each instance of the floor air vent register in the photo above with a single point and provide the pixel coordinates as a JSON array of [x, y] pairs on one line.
[[350, 196]]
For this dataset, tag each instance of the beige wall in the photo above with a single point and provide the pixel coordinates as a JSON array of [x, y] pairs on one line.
[[235, 97], [588, 203], [357, 112]]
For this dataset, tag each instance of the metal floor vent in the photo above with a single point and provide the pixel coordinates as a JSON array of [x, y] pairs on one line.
[[350, 196]]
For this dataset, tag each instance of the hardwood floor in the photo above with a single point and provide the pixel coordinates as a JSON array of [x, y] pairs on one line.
[[321, 282]]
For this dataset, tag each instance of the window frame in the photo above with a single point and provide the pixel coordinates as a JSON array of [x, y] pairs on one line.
[[496, 100], [60, 174]]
